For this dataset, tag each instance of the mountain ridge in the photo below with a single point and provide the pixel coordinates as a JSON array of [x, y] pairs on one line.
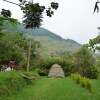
[[51, 43], [44, 32]]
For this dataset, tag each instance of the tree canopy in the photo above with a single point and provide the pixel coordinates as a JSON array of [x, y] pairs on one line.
[[32, 18]]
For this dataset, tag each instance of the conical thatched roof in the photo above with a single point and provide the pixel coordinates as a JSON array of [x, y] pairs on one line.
[[56, 71]]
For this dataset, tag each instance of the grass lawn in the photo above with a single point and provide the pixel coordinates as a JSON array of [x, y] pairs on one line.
[[57, 89]]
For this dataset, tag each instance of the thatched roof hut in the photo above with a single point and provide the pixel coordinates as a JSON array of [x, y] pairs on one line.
[[56, 71]]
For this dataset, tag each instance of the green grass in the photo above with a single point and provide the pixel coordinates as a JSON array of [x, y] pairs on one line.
[[57, 89], [12, 82]]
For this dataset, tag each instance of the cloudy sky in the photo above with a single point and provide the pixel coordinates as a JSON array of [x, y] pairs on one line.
[[74, 19]]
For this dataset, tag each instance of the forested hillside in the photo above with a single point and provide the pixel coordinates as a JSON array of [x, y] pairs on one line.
[[51, 44]]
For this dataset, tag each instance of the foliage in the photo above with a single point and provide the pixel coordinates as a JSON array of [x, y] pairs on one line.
[[83, 81], [6, 13], [65, 55], [6, 18], [45, 64], [98, 62], [15, 46], [92, 72], [10, 47], [9, 85], [85, 63], [76, 77], [7, 24], [88, 85], [12, 20], [33, 13], [32, 17], [43, 72], [94, 44]]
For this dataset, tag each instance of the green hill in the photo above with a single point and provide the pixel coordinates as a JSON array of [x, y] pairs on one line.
[[50, 42]]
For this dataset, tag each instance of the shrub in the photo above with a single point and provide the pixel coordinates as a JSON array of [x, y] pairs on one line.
[[43, 72], [10, 82], [85, 63], [76, 77], [73, 76], [88, 84], [91, 72], [83, 81], [45, 64]]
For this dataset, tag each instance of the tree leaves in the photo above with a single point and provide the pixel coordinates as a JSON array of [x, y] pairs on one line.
[[33, 13], [6, 13], [54, 5], [94, 44]]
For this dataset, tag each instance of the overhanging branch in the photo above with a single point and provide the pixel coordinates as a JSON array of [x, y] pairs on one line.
[[12, 3]]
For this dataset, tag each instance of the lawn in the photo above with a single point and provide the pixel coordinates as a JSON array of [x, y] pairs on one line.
[[57, 89]]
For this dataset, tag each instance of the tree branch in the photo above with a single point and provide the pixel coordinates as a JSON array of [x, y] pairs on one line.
[[12, 3]]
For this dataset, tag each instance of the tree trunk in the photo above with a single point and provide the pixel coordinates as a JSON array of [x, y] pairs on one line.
[[29, 52]]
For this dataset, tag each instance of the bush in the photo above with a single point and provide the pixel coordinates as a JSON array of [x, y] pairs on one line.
[[43, 72], [84, 82], [88, 85], [76, 78], [72, 76], [85, 63], [10, 82], [91, 72], [45, 64]]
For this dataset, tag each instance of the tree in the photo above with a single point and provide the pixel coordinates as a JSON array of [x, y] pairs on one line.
[[33, 16], [5, 19], [94, 44], [85, 63], [11, 46], [6, 46], [15, 46]]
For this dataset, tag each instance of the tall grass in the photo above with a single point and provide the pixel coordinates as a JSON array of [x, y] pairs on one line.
[[11, 82]]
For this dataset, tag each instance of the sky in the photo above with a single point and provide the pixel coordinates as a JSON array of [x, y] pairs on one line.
[[74, 19]]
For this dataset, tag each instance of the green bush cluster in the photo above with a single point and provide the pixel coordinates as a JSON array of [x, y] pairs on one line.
[[92, 72], [81, 62], [45, 64], [76, 77], [43, 72], [83, 81], [85, 64], [10, 82]]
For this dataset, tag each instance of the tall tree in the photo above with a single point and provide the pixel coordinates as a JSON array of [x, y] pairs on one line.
[[85, 63], [33, 16]]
